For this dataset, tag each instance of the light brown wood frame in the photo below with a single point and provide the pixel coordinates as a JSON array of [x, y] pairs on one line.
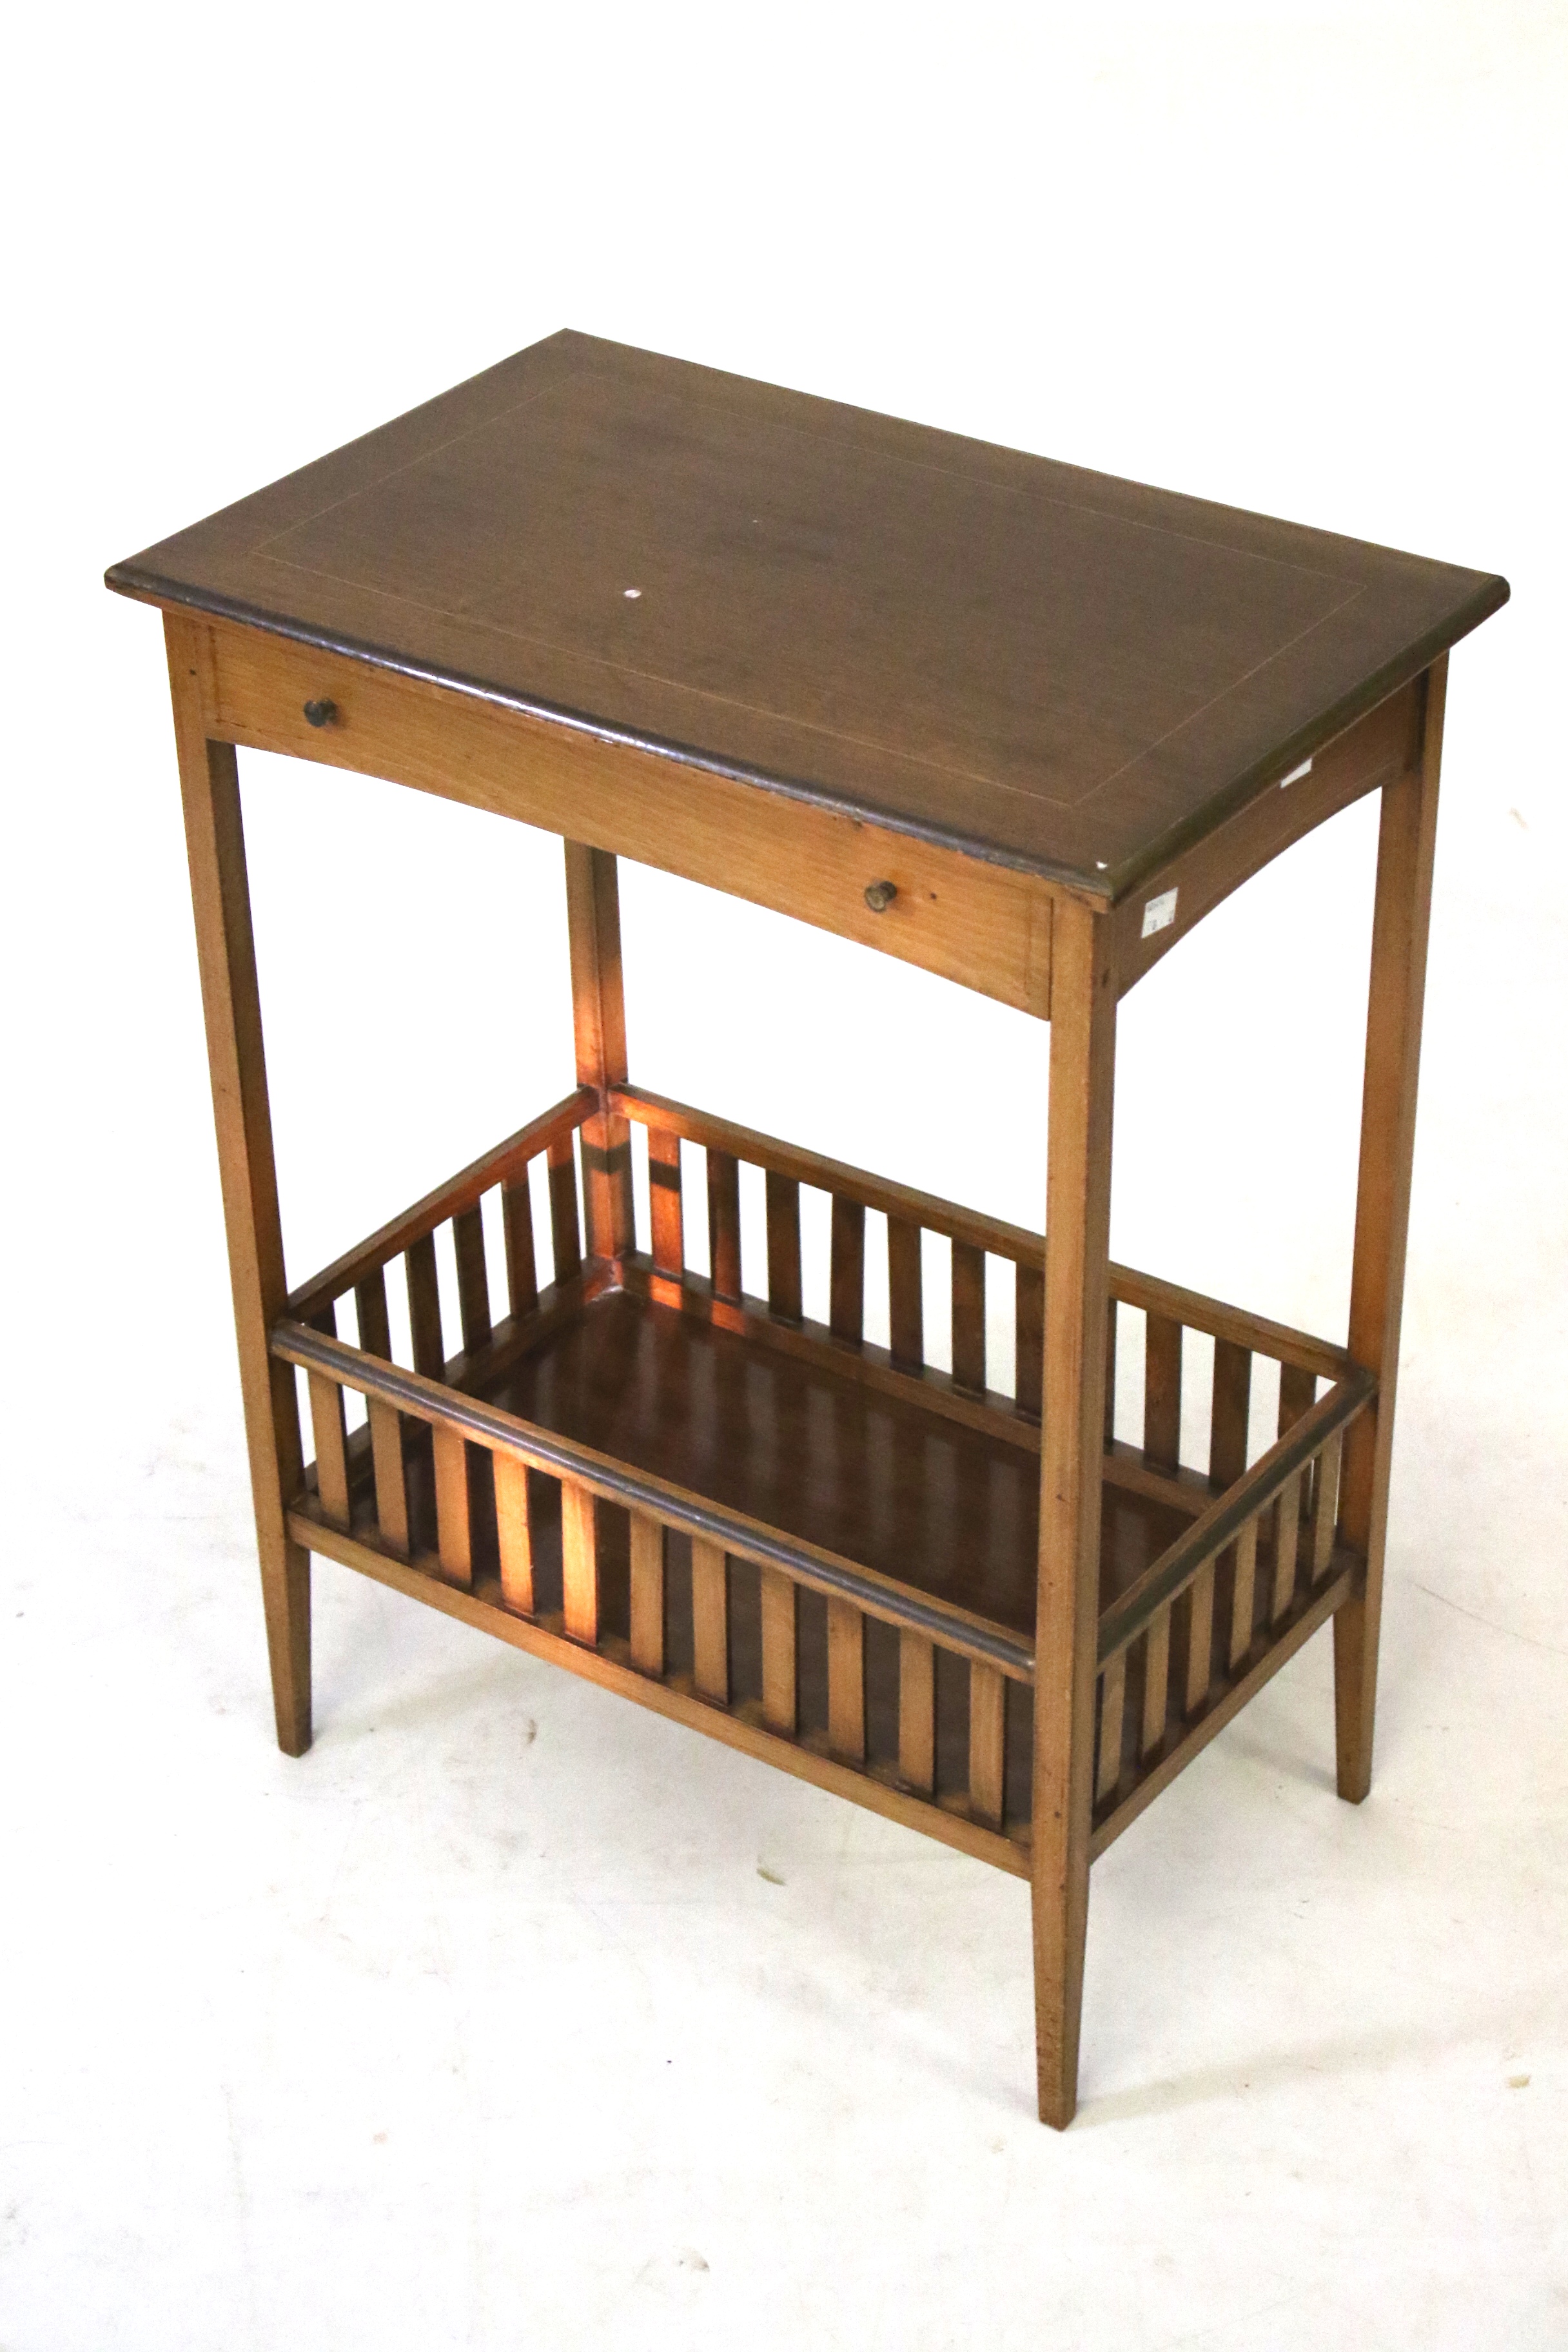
[[1095, 957], [1078, 1260], [1400, 921], [1047, 948], [220, 897]]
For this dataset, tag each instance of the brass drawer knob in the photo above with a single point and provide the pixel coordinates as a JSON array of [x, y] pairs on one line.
[[879, 896], [321, 714]]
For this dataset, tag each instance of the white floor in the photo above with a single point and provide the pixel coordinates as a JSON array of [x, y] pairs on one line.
[[515, 2016]]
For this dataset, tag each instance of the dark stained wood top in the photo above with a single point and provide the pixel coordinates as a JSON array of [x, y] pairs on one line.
[[1050, 669]]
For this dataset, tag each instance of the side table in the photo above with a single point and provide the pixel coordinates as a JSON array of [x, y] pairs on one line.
[[1018, 724]]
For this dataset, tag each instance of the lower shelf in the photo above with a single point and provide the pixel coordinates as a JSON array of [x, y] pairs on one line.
[[816, 1549], [883, 1480]]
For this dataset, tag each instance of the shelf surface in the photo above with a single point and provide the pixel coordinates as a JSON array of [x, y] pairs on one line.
[[1056, 669], [891, 1485]]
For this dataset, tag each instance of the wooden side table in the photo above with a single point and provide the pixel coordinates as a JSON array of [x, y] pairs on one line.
[[1020, 725]]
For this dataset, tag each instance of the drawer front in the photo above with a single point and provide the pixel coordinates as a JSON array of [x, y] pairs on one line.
[[983, 926]]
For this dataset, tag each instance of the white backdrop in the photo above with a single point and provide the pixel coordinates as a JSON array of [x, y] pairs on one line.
[[481, 2027]]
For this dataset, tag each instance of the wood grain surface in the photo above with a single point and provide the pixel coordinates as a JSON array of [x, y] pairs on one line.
[[1066, 672]]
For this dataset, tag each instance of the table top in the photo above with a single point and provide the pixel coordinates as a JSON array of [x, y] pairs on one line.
[[1053, 669]]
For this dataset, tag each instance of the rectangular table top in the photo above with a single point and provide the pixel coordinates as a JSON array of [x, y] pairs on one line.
[[1053, 669]]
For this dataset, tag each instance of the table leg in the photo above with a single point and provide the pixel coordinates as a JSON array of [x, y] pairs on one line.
[[1400, 924], [1077, 1249], [209, 787], [599, 1021]]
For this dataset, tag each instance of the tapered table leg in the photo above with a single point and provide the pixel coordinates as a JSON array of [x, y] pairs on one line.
[[1077, 1245], [1400, 924], [209, 787]]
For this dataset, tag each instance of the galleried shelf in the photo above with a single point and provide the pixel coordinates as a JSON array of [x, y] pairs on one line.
[[828, 1542], [1017, 724]]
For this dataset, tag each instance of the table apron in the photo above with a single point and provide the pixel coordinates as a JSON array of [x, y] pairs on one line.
[[985, 926]]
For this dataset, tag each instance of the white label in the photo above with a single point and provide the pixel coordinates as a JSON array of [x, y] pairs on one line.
[[1159, 913], [1296, 774]]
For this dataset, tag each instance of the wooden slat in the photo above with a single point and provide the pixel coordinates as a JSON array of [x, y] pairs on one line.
[[514, 1532], [1162, 1391], [1029, 1363], [331, 1457], [905, 1307], [1211, 1531], [1243, 1593], [1113, 1713], [724, 1224], [460, 1191], [668, 1230], [1325, 1508], [454, 1542], [473, 1282], [780, 1687], [1310, 1614], [1297, 1394], [565, 1234], [964, 1630], [1231, 1403], [710, 1622], [987, 1727], [425, 1306], [579, 1562], [1287, 1535], [847, 1310], [646, 1593], [783, 1245], [1228, 1424], [735, 1729], [916, 1712], [521, 1269], [1156, 1684], [846, 1681], [370, 1313], [968, 1316], [391, 1484], [1016, 1243], [1197, 1652]]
